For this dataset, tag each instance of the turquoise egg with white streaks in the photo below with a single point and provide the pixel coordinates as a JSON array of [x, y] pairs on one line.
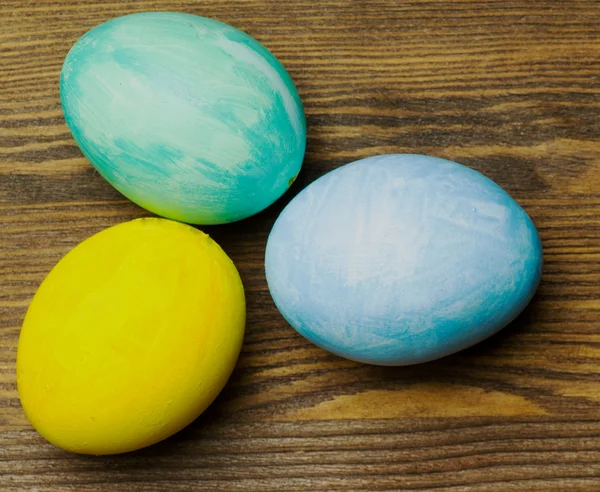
[[402, 259], [188, 117]]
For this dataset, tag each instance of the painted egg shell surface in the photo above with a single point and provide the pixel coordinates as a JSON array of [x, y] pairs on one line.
[[130, 337], [190, 118], [401, 259]]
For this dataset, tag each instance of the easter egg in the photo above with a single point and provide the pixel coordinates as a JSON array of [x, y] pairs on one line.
[[188, 117], [402, 259], [130, 337]]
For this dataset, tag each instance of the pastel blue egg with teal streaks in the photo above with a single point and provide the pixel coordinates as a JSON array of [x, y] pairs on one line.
[[188, 117], [402, 259]]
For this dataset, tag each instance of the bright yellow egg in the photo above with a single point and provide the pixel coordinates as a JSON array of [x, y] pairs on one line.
[[130, 337]]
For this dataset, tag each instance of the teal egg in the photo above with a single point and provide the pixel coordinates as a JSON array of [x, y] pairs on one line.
[[188, 117]]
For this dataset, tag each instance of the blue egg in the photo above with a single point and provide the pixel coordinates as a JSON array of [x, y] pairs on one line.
[[186, 116], [402, 259]]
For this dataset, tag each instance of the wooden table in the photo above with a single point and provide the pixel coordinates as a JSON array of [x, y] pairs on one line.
[[511, 88]]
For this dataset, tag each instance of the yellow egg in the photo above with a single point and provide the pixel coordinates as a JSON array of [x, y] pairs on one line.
[[130, 337]]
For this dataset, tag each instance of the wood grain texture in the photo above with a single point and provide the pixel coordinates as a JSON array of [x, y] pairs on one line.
[[509, 88]]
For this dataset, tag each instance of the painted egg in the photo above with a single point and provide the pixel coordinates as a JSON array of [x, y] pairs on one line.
[[188, 117], [130, 337], [402, 259]]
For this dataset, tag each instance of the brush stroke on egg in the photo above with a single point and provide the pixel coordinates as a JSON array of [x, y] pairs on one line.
[[401, 259], [188, 117]]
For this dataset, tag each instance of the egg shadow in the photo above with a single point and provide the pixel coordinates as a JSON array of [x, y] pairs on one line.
[[245, 241], [505, 338], [457, 367], [187, 442]]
